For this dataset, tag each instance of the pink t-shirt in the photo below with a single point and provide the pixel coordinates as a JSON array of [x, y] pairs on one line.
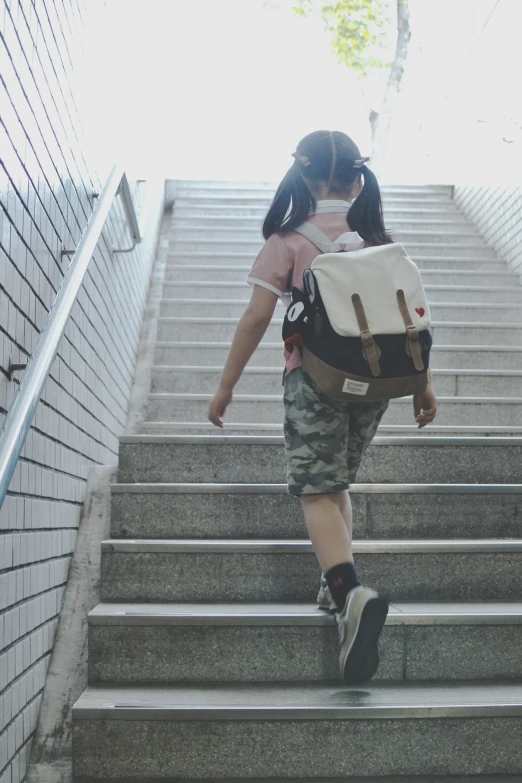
[[282, 260]]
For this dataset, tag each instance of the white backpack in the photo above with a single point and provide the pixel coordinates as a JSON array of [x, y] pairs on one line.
[[364, 319]]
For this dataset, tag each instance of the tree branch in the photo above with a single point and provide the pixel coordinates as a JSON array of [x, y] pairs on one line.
[[381, 123], [401, 51]]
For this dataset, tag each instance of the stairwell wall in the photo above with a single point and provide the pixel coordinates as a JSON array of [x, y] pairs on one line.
[[497, 213], [47, 181]]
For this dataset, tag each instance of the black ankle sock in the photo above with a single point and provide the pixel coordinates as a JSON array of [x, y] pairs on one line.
[[341, 579]]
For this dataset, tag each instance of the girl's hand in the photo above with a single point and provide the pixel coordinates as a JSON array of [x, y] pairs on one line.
[[425, 407], [218, 406]]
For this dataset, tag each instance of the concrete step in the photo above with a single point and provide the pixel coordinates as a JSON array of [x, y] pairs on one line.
[[297, 731], [177, 427], [263, 199], [287, 570], [179, 643], [260, 408], [402, 779], [418, 208], [185, 208], [446, 220], [465, 235], [460, 285], [443, 210], [414, 245], [220, 197], [267, 380], [237, 256], [440, 311], [470, 293], [270, 354], [267, 510], [247, 459], [176, 187], [221, 329], [185, 269]]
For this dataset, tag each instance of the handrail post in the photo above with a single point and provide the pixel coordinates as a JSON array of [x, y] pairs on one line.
[[126, 195]]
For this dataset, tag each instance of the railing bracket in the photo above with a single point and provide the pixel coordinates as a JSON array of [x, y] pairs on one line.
[[11, 368], [124, 249]]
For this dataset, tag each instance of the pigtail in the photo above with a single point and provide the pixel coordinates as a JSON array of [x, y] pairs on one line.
[[333, 159], [291, 205], [365, 215]]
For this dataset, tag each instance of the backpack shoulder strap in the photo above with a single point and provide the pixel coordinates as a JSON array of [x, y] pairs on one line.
[[316, 236]]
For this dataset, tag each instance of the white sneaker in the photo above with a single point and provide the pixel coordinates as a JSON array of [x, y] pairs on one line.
[[325, 601], [360, 624]]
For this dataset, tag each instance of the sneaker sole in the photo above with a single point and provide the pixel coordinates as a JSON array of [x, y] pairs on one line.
[[363, 659]]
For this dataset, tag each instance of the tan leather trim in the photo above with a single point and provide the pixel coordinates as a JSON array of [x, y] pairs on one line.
[[369, 347], [413, 348], [331, 382]]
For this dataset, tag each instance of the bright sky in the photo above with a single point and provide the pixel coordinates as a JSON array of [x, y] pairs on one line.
[[224, 89]]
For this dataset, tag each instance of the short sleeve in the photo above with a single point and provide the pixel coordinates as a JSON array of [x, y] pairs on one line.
[[273, 266]]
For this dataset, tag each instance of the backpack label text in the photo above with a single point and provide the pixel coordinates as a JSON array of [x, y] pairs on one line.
[[355, 387]]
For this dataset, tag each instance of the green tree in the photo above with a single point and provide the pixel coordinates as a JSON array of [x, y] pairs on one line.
[[359, 31]]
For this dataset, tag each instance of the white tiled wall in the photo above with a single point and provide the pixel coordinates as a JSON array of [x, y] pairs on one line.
[[47, 181], [497, 213]]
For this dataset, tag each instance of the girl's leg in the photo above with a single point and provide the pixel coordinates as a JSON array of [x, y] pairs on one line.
[[346, 511], [323, 447], [329, 523]]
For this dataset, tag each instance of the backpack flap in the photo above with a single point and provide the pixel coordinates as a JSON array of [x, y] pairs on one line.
[[375, 274]]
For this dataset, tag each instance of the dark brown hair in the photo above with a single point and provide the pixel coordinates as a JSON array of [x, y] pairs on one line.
[[331, 156]]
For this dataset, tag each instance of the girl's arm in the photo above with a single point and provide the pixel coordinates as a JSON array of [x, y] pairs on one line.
[[250, 329]]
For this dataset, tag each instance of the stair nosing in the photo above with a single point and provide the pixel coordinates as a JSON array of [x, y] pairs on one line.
[[458, 272], [256, 232], [247, 267], [270, 370], [277, 440], [267, 398], [204, 241], [302, 702], [244, 302], [308, 615], [223, 254], [302, 546], [279, 321], [464, 430], [428, 287], [272, 345], [162, 488]]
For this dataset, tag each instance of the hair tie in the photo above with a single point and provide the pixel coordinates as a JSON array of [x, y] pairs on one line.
[[301, 158], [358, 164]]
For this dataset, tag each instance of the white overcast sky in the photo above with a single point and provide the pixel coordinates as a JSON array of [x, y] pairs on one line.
[[224, 89]]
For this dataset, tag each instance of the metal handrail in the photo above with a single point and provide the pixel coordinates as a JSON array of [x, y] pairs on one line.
[[21, 413]]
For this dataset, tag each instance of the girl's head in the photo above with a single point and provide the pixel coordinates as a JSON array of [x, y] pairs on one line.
[[328, 164]]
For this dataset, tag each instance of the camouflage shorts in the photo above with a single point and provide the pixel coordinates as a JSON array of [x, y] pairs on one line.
[[324, 439]]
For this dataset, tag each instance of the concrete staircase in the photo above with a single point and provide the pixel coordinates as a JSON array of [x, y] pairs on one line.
[[208, 659]]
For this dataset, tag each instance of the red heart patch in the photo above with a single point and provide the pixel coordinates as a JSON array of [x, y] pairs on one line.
[[420, 311]]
